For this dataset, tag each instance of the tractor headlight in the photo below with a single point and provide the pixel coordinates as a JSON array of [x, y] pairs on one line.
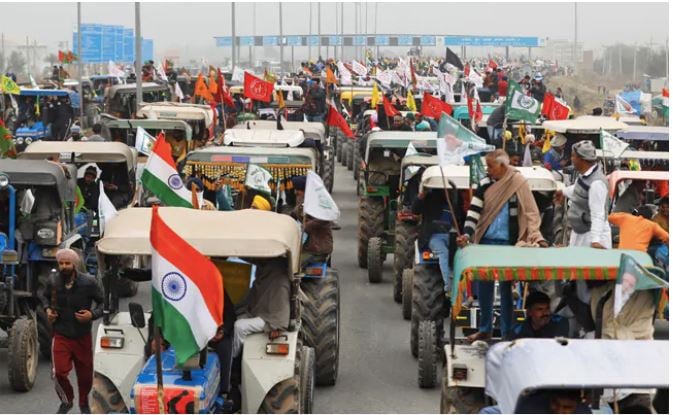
[[19, 140], [29, 140], [4, 181], [46, 233]]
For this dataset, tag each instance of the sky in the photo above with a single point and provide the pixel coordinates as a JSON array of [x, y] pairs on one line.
[[188, 29]]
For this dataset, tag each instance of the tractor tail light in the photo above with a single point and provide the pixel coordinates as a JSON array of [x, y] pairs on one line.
[[459, 372], [278, 348], [313, 271], [111, 342], [371, 189], [427, 255], [405, 216]]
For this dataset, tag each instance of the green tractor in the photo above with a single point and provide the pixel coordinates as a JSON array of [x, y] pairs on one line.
[[378, 191]]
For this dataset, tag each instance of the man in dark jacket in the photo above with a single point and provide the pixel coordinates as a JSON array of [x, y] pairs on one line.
[[315, 105], [319, 240], [67, 300], [540, 322], [90, 188]]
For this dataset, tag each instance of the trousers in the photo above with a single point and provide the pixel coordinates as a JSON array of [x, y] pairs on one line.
[[242, 328], [439, 244], [65, 352], [486, 298]]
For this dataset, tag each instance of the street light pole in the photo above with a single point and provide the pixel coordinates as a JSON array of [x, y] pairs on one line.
[[233, 36], [319, 31], [79, 62], [139, 57], [280, 23]]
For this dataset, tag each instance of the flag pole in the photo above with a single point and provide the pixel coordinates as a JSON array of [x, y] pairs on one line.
[[160, 373], [448, 200]]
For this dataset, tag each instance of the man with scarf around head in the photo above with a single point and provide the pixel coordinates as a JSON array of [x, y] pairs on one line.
[[68, 302], [502, 212]]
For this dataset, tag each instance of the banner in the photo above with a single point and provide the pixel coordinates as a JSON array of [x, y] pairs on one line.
[[317, 200]]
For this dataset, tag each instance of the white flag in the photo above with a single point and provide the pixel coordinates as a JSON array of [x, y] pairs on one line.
[[611, 145], [396, 78], [258, 179], [411, 170], [385, 77], [144, 141], [33, 84], [178, 91], [106, 210], [344, 74], [161, 72], [238, 74], [622, 106], [358, 68], [527, 157], [317, 200], [114, 70]]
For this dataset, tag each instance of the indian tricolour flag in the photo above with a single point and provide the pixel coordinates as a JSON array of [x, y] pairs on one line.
[[187, 291], [664, 101], [161, 177]]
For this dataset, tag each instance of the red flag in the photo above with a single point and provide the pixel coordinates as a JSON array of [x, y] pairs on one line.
[[389, 109], [60, 56], [492, 64], [466, 69], [222, 94], [257, 89], [552, 109], [334, 119], [433, 107]]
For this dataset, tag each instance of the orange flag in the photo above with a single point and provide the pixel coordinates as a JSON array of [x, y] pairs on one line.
[[331, 79], [212, 85], [201, 90]]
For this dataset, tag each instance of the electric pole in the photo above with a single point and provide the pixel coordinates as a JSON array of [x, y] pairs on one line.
[[319, 31], [310, 29], [139, 58], [280, 23], [575, 41], [233, 36], [79, 62], [342, 31]]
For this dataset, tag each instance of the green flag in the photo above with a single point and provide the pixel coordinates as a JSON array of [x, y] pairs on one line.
[[455, 142], [633, 277], [258, 178], [477, 171], [520, 106]]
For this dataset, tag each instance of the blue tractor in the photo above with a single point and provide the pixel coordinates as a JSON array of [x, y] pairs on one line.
[[36, 219], [32, 122]]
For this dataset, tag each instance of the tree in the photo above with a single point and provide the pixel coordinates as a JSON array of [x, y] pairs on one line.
[[51, 59], [16, 63]]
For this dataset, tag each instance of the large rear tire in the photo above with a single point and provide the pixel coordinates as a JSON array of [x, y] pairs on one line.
[[22, 354], [407, 292], [307, 379], [126, 287], [370, 224], [320, 324], [328, 168], [403, 258], [375, 260], [427, 354], [339, 144], [283, 398], [344, 151], [356, 159], [427, 300], [105, 398], [558, 225]]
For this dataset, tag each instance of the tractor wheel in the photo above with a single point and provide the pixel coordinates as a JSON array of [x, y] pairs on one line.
[[339, 143], [283, 398], [43, 333], [320, 324], [427, 354], [457, 400], [328, 169], [349, 156], [405, 237], [370, 224], [307, 379], [22, 354], [427, 300], [374, 260], [356, 159], [407, 292], [344, 152], [105, 397], [559, 224]]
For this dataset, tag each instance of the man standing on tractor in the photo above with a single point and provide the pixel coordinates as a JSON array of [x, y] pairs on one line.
[[68, 299], [554, 158], [587, 217], [315, 105], [502, 212], [319, 242]]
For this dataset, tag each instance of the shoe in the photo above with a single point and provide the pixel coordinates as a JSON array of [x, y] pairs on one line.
[[84, 409], [64, 408], [478, 336]]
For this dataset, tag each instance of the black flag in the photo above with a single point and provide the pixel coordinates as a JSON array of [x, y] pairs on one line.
[[279, 126], [451, 58]]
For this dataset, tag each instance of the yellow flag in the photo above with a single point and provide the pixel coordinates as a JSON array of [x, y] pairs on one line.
[[411, 102], [547, 141], [375, 95], [280, 99], [8, 86], [522, 132]]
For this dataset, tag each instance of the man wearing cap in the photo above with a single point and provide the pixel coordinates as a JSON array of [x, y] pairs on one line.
[[588, 219], [68, 302], [554, 159], [90, 188], [75, 133], [409, 121]]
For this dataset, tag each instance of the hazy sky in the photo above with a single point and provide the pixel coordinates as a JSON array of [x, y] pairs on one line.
[[188, 28]]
